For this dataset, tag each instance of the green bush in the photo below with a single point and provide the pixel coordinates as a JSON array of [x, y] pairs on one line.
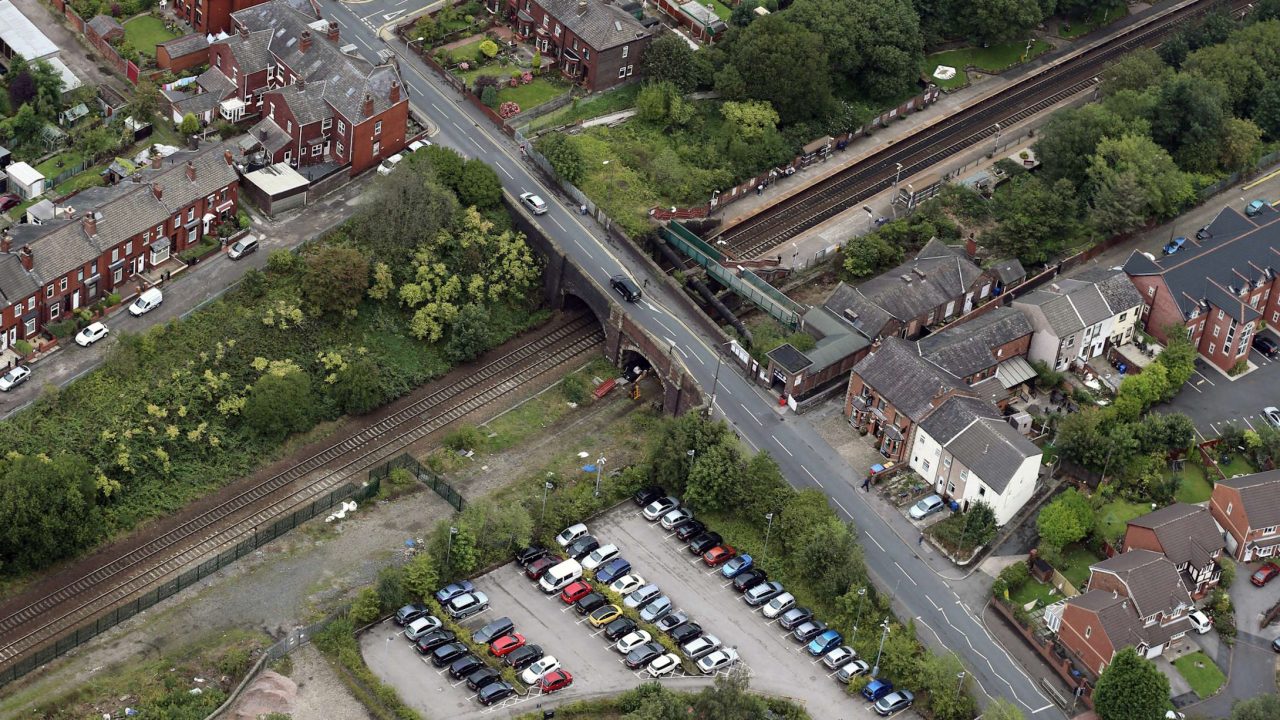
[[23, 347], [64, 328], [574, 388], [283, 262], [366, 607], [467, 437], [113, 299], [242, 219], [207, 244]]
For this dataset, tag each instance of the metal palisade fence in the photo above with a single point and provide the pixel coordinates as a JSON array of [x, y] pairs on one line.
[[422, 474]]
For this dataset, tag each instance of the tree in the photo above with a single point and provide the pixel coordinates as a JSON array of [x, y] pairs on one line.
[[489, 48], [1138, 70], [366, 607], [1131, 687], [804, 510], [145, 101], [1258, 707], [1130, 179], [979, 524], [24, 127], [1267, 112], [661, 104], [1035, 219], [764, 487], [1067, 519], [1164, 432], [22, 89], [479, 185], [867, 255], [334, 280], [402, 210], [421, 577], [1139, 392], [280, 403], [445, 162], [1070, 138], [1234, 70], [743, 13], [750, 119], [469, 334], [713, 483], [727, 699], [189, 125], [994, 21], [562, 152], [98, 141], [427, 30], [875, 46], [828, 555], [947, 699], [359, 387], [769, 51], [1189, 119], [670, 59], [50, 509], [1241, 145], [681, 441]]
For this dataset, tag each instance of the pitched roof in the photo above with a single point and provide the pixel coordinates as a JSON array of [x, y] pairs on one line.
[[1119, 621], [1153, 581], [16, 283], [1187, 533], [185, 45], [250, 52], [1009, 271], [272, 136], [213, 81], [993, 450], [104, 24], [1074, 303], [964, 349], [1260, 493], [600, 24], [903, 378], [306, 102], [954, 415]]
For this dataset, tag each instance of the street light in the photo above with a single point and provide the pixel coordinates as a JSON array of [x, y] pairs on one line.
[[546, 485], [599, 469], [960, 687], [875, 671], [996, 149], [715, 382], [897, 175], [862, 594], [448, 548], [871, 216], [767, 532]]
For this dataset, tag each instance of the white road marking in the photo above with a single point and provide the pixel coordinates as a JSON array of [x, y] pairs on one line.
[[753, 415], [362, 42], [664, 325], [806, 472], [583, 248], [457, 126], [784, 447], [473, 142], [749, 442], [438, 108], [904, 572], [935, 605], [877, 542], [1193, 387], [842, 507], [697, 357], [1205, 378], [505, 172], [557, 222], [1246, 422]]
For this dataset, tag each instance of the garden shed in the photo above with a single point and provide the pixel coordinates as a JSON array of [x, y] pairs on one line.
[[24, 180], [277, 188]]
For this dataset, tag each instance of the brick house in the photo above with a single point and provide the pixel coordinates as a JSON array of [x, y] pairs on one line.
[[210, 17], [1134, 599], [1187, 536], [102, 30], [104, 236], [316, 104], [1218, 290], [838, 347], [1077, 317], [987, 353], [593, 43], [1248, 508], [182, 53]]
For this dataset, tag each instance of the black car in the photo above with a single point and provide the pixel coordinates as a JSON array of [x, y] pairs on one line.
[[626, 287], [1265, 345], [618, 628], [582, 547], [809, 629], [644, 655], [409, 613], [689, 528], [529, 554], [749, 579], [1203, 233], [446, 654], [793, 617], [494, 630], [434, 639], [686, 633], [671, 621], [590, 603], [482, 677], [464, 666], [525, 656], [704, 542], [648, 495], [494, 692]]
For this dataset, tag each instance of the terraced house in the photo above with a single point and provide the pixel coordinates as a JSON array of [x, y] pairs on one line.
[[592, 42], [1076, 318]]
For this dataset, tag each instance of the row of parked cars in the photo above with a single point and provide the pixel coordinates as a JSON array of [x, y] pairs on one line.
[[461, 600], [775, 602]]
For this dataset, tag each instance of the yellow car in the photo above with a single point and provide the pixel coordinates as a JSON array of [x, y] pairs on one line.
[[605, 615]]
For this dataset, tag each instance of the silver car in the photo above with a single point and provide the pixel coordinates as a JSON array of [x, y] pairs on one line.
[[642, 596], [926, 507], [699, 647], [655, 609]]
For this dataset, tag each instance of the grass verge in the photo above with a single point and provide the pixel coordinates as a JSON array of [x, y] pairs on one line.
[[1071, 29], [993, 59], [624, 98]]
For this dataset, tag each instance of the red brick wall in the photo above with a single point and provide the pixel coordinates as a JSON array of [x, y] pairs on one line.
[[1141, 538], [395, 120], [1235, 522], [182, 62], [1082, 633]]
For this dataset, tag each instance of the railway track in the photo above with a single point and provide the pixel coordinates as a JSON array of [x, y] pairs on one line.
[[826, 199], [35, 624]]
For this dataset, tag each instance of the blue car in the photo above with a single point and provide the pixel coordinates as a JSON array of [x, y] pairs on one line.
[[612, 570], [453, 590], [877, 689], [1256, 207], [737, 566], [825, 643], [1174, 245]]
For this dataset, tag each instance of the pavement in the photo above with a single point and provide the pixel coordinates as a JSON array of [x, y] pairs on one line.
[[199, 284]]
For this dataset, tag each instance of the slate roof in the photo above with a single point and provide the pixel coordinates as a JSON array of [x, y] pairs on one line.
[[964, 349], [104, 24], [954, 415], [185, 45], [1153, 581], [213, 81], [306, 102], [903, 378], [15, 282], [1084, 300], [250, 52], [1186, 533], [789, 358], [1212, 270], [837, 339], [993, 450], [194, 104], [1260, 493], [1010, 272], [847, 302], [601, 25], [272, 136]]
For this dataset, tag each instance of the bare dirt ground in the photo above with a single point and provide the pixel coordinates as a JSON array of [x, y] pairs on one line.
[[321, 693]]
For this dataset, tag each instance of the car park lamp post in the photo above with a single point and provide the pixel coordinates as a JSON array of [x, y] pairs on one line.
[[599, 468], [546, 486], [767, 531], [448, 548], [875, 671], [862, 594]]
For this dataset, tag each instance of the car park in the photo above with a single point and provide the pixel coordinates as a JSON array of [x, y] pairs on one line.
[[590, 603], [464, 666], [644, 496], [1272, 414], [612, 570], [824, 643], [627, 584], [1200, 621], [1264, 574], [700, 646], [736, 567], [620, 627], [808, 630], [493, 631], [420, 627], [926, 507], [660, 507], [571, 533], [779, 605], [643, 655], [1266, 346], [717, 661], [466, 605], [560, 576], [555, 680], [146, 302], [483, 676], [632, 641], [749, 579], [763, 593], [655, 609], [506, 644], [435, 639], [664, 665], [244, 246], [529, 554], [409, 613], [582, 547], [91, 334], [495, 692], [895, 702], [576, 592], [535, 671], [642, 595], [540, 566], [535, 204], [1255, 208], [604, 615], [793, 618], [598, 556], [704, 542], [627, 288], [877, 689], [671, 621], [675, 517], [852, 670], [1174, 245], [525, 656], [453, 590], [686, 633], [839, 656], [718, 555], [446, 654], [688, 529], [16, 375]]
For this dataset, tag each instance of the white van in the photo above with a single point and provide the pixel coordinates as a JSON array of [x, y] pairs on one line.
[[559, 577], [146, 302]]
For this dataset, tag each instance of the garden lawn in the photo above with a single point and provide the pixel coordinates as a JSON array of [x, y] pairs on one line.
[[607, 103], [1077, 559], [724, 12], [58, 163], [1239, 465], [1043, 593], [534, 94], [91, 177], [989, 59], [1113, 517], [144, 31], [1199, 671], [468, 52], [1193, 486], [1073, 28]]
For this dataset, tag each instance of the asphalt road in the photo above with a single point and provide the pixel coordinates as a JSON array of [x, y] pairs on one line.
[[1213, 400], [945, 623]]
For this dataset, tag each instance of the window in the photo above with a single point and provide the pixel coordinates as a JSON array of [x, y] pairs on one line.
[[54, 309], [546, 21], [317, 150], [626, 50], [951, 487], [146, 236], [289, 128], [926, 465], [1253, 301], [342, 127], [586, 54], [79, 275], [377, 147], [1221, 315], [964, 475], [981, 491], [48, 292], [115, 254], [217, 60], [1229, 506], [1268, 531], [117, 275], [62, 285], [31, 305], [191, 214], [557, 29], [341, 151], [622, 72], [271, 110], [1189, 331], [128, 248], [1210, 348], [326, 123], [1000, 352], [1122, 317], [946, 461], [1275, 317], [1215, 331], [629, 69], [1151, 290], [377, 128]]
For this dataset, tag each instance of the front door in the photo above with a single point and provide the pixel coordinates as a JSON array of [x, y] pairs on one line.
[[75, 300]]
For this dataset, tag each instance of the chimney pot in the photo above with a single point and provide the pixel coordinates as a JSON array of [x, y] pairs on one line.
[[333, 31], [304, 41], [158, 189], [6, 243], [244, 31], [368, 104], [157, 161], [226, 155], [90, 223], [191, 171], [395, 92], [24, 256]]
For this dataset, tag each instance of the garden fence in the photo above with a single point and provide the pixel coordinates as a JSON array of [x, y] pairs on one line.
[[424, 475], [261, 535], [67, 174]]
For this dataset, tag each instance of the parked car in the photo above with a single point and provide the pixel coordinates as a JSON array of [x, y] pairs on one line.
[[749, 579], [632, 641], [627, 584], [1272, 414], [700, 646], [808, 630], [493, 631], [9, 200], [17, 375], [644, 496], [535, 204], [146, 302], [1255, 208], [529, 554], [664, 665], [620, 627], [894, 702], [1200, 621], [627, 288], [839, 657], [792, 618], [602, 616], [555, 680], [389, 164], [571, 533], [91, 334], [779, 605], [495, 692], [671, 621], [483, 676], [446, 654], [686, 632], [660, 507], [597, 557], [420, 627], [588, 604], [1266, 346], [688, 529], [582, 547], [1203, 233], [643, 655], [525, 656], [926, 507], [763, 593], [852, 670], [613, 569], [464, 666], [736, 566], [825, 643], [717, 661], [466, 605], [506, 644], [539, 567], [675, 517], [453, 590], [535, 671], [244, 246], [417, 145], [435, 639], [655, 609], [1265, 574], [704, 542], [718, 555], [409, 613], [641, 596], [1173, 245], [575, 592], [1275, 645], [877, 689]]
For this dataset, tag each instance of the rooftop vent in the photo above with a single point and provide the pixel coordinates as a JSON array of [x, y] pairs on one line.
[[918, 271], [906, 278]]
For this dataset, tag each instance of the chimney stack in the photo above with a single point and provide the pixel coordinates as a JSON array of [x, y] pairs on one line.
[[90, 223], [395, 92], [191, 171], [158, 189], [157, 161], [304, 41], [226, 155], [6, 243], [24, 256], [582, 6], [244, 32], [368, 105], [333, 32]]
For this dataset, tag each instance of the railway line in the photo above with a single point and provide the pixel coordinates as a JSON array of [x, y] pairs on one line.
[[827, 198], [28, 624]]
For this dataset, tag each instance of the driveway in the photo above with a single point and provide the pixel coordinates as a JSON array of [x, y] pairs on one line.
[[1213, 400], [1252, 667]]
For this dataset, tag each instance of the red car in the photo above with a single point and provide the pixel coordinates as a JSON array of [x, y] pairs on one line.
[[9, 200], [718, 555], [555, 680], [575, 592], [506, 644], [1264, 574], [539, 567]]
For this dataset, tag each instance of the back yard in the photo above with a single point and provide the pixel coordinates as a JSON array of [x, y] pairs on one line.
[[144, 31]]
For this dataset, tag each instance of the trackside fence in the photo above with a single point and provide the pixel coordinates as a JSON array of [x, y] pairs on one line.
[[422, 474]]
